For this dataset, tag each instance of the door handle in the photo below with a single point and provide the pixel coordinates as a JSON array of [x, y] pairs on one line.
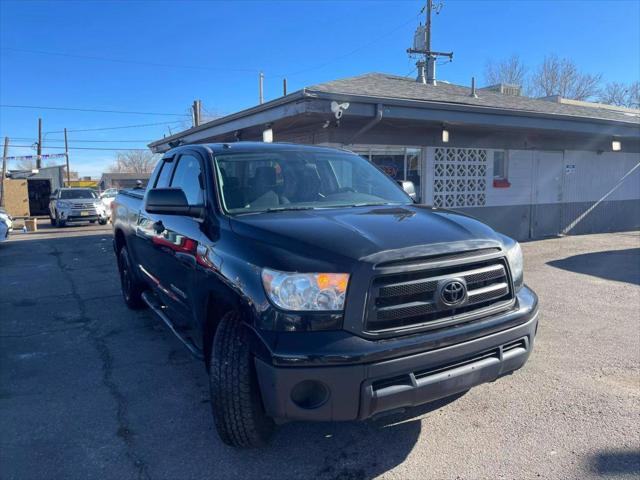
[[158, 227]]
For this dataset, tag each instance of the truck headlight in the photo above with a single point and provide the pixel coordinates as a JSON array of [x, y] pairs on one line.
[[306, 291], [516, 264], [63, 204]]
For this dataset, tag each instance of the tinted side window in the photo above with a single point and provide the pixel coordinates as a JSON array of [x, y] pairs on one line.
[[187, 177], [165, 175]]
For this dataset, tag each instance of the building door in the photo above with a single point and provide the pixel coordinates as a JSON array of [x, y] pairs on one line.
[[546, 191], [39, 193]]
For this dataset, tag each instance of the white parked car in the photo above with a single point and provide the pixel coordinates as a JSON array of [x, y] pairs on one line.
[[107, 197], [4, 230], [6, 218], [69, 205]]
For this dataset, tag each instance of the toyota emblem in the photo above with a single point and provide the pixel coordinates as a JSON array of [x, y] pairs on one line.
[[453, 292]]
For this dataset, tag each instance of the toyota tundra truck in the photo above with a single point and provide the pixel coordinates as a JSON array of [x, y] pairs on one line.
[[313, 287]]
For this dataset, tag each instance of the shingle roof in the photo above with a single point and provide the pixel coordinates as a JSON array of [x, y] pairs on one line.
[[386, 86]]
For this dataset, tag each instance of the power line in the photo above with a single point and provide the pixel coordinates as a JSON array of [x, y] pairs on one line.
[[133, 62], [93, 110], [86, 148], [356, 50], [79, 141], [207, 67], [119, 127]]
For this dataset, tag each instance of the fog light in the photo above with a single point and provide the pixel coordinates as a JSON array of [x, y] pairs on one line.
[[310, 394]]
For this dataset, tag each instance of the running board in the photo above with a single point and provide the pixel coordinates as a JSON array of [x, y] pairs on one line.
[[156, 308]]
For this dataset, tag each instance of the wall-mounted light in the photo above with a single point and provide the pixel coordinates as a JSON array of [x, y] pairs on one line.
[[616, 145], [445, 135], [267, 135]]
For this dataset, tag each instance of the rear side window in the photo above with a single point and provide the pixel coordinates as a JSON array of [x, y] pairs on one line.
[[188, 177], [165, 175]]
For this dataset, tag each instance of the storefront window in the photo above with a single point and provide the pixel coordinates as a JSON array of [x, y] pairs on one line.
[[400, 163], [390, 161]]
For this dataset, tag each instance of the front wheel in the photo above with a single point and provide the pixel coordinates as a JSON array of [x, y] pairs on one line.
[[102, 221], [235, 395]]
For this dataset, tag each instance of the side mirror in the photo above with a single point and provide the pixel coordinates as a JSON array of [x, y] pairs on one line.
[[170, 201], [409, 188]]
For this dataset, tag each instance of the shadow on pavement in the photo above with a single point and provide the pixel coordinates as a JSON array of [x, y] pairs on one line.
[[345, 450], [618, 265], [616, 463]]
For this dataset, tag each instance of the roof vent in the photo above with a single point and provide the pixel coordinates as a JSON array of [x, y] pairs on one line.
[[473, 88], [509, 89]]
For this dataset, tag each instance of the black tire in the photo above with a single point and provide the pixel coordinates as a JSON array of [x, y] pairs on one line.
[[92, 221], [53, 221], [60, 223], [235, 395], [102, 222], [131, 287]]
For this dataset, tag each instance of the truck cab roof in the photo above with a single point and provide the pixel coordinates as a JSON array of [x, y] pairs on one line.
[[249, 147]]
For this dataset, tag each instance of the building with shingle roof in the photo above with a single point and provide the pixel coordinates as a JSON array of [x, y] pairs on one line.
[[122, 180], [529, 167]]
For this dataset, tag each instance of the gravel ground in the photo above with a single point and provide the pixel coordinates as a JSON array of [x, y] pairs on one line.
[[89, 389]]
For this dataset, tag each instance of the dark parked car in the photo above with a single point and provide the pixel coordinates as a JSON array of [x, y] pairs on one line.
[[314, 288]]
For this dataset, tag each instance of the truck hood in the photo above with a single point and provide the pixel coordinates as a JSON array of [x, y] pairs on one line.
[[361, 232]]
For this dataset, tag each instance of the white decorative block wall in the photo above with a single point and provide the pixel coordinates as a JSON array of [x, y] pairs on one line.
[[459, 177]]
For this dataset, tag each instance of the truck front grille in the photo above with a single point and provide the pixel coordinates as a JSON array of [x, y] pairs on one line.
[[409, 300]]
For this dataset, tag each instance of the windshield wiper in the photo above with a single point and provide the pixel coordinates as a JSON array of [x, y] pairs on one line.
[[284, 209], [369, 204]]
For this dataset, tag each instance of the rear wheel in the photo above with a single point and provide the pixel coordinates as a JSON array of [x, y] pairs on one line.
[[235, 395], [131, 287]]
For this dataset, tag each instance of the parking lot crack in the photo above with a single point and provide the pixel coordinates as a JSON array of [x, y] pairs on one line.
[[124, 431]]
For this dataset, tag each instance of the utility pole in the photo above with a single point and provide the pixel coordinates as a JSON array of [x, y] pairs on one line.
[[423, 49], [4, 169], [284, 87], [66, 154], [261, 87], [39, 158]]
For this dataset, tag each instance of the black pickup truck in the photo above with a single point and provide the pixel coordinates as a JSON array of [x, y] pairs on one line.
[[314, 288]]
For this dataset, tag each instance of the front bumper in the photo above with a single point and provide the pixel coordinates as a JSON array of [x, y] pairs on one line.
[[355, 390], [71, 216]]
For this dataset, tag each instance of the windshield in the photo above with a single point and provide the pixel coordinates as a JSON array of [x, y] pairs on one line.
[[292, 180], [71, 194]]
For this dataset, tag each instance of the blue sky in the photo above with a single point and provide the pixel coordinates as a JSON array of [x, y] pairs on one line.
[[157, 57]]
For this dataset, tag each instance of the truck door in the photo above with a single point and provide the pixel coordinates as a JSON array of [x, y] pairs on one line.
[[151, 245], [175, 240]]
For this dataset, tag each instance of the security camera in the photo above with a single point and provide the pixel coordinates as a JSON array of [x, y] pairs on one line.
[[338, 109]]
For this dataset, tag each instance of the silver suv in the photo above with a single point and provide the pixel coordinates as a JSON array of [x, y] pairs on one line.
[[69, 205]]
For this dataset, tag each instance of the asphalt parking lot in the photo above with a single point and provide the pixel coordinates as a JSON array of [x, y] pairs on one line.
[[89, 389]]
